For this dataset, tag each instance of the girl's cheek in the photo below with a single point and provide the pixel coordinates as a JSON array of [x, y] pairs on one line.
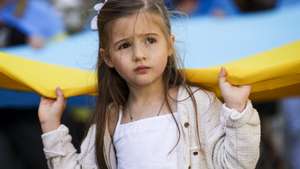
[[153, 48], [125, 54]]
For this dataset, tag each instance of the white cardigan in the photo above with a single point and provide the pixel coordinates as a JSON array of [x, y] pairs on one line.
[[227, 139]]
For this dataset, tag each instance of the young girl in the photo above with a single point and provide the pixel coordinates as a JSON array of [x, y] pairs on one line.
[[147, 116]]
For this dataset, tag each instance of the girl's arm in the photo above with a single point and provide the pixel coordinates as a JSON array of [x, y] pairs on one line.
[[59, 151], [234, 141], [61, 154], [238, 134]]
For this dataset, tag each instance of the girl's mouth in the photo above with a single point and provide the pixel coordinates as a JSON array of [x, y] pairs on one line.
[[141, 69]]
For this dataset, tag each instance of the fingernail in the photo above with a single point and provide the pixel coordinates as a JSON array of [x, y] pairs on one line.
[[58, 90], [222, 70]]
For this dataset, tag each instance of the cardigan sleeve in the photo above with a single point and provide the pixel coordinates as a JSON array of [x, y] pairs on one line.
[[234, 139], [61, 154]]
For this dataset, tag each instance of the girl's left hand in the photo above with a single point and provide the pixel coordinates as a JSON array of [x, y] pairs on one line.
[[235, 97]]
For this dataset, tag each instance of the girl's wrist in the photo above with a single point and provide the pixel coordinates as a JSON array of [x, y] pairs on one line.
[[49, 126], [238, 107]]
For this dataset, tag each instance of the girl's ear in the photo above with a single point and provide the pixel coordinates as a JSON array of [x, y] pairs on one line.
[[171, 42], [106, 58]]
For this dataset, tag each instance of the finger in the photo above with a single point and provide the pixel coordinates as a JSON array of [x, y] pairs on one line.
[[247, 87], [222, 75], [60, 95], [44, 100]]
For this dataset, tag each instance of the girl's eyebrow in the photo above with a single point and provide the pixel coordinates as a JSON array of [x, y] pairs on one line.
[[126, 39]]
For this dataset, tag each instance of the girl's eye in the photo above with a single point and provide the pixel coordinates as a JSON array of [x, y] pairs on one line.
[[124, 46], [150, 40]]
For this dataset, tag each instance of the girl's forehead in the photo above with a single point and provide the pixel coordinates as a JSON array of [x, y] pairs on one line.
[[137, 24]]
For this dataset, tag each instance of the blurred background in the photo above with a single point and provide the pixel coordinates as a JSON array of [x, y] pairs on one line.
[[40, 29]]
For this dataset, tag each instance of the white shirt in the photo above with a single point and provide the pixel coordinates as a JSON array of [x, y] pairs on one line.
[[147, 143]]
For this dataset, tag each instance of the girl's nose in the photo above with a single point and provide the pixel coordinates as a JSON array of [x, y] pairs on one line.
[[138, 52]]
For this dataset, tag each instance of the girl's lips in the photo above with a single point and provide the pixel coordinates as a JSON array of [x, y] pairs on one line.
[[141, 69]]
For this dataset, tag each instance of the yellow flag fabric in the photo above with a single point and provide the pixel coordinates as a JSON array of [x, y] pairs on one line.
[[273, 74], [22, 74]]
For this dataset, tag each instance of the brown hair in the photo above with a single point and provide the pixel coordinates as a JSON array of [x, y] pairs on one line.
[[113, 91]]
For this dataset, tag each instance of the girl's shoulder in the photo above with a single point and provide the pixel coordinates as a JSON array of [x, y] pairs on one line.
[[202, 97], [197, 92]]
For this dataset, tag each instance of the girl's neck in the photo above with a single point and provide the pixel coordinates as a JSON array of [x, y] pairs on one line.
[[149, 101], [145, 94]]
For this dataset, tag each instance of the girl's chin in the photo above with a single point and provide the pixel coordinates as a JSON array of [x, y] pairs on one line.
[[143, 82]]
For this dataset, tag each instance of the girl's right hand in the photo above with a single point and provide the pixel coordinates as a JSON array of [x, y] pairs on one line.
[[50, 111]]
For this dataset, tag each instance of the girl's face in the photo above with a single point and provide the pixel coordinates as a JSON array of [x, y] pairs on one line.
[[138, 48]]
